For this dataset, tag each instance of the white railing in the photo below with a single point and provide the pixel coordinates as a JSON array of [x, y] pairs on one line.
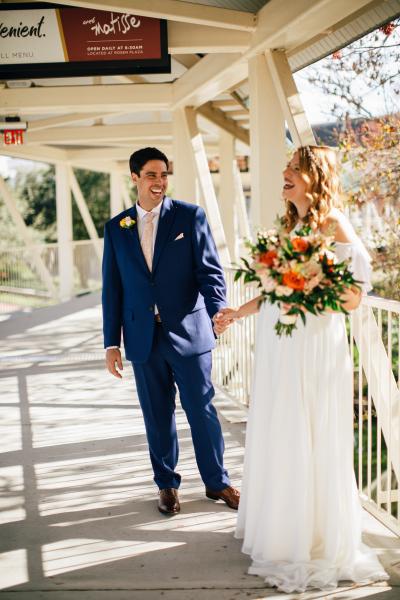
[[19, 276], [233, 357], [374, 332], [375, 347]]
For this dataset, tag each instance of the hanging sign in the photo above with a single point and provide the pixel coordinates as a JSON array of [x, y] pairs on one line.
[[44, 40], [13, 137]]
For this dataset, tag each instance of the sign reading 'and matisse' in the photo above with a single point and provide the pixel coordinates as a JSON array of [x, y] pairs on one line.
[[43, 40]]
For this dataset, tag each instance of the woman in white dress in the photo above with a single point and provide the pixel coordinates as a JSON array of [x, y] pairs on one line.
[[299, 513]]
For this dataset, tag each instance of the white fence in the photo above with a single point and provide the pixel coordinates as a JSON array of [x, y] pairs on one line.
[[374, 333], [19, 276], [375, 347]]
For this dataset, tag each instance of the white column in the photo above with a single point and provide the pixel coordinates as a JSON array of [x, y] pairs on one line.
[[185, 177], [244, 230], [116, 200], [289, 97], [64, 233], [267, 145], [125, 192], [227, 192], [207, 187], [85, 214], [24, 232], [243, 220]]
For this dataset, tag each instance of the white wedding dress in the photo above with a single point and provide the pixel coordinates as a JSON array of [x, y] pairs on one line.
[[299, 513]]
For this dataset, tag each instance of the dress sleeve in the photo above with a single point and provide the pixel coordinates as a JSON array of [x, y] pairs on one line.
[[360, 260], [360, 265]]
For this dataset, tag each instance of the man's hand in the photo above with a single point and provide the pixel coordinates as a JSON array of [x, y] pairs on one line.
[[113, 356], [223, 319], [219, 328]]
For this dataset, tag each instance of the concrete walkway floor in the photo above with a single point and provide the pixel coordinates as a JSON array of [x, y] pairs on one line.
[[78, 505]]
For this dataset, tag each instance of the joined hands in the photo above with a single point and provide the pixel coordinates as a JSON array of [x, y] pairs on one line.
[[224, 318]]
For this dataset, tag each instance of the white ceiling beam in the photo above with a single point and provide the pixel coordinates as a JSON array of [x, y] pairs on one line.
[[130, 78], [237, 113], [45, 154], [220, 118], [187, 60], [184, 38], [224, 103], [91, 98], [97, 155], [290, 99], [232, 89], [207, 186], [173, 10], [100, 133], [298, 23], [239, 100], [40, 124], [208, 78]]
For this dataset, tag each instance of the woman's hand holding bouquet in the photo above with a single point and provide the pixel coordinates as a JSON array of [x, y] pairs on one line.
[[299, 271]]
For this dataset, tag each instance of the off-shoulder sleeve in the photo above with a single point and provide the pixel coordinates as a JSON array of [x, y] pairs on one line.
[[360, 260], [360, 265]]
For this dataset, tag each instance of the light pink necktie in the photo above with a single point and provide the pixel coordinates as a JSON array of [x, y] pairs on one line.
[[147, 239]]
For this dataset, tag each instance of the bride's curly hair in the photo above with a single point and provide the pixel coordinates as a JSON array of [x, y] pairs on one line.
[[318, 167]]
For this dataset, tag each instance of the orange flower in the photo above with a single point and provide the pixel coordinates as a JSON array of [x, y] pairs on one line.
[[299, 244], [293, 280], [329, 260], [267, 258]]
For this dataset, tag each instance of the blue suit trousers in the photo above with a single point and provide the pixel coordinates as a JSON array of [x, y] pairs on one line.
[[155, 382]]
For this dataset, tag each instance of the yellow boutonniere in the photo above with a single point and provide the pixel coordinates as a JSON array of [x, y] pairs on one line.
[[127, 223]]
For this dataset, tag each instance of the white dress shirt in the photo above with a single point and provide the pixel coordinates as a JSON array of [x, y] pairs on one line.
[[140, 214]]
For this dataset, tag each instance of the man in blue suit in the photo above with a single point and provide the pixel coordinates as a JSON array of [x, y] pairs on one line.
[[162, 286]]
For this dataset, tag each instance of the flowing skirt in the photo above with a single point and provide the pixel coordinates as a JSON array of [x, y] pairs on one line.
[[299, 513]]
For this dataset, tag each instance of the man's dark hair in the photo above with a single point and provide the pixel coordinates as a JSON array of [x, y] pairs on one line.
[[139, 158]]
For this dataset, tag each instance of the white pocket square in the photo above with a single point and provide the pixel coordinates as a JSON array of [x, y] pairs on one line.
[[179, 237]]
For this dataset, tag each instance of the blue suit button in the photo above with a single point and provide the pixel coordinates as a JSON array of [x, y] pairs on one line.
[[151, 308]]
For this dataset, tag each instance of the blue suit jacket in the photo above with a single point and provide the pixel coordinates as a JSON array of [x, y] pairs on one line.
[[186, 283]]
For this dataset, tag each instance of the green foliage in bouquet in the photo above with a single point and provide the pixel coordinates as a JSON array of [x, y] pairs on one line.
[[299, 272]]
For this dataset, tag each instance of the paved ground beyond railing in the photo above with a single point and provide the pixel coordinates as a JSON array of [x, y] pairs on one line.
[[78, 516]]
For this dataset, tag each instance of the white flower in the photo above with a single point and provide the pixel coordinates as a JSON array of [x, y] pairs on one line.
[[283, 290], [268, 283], [312, 269]]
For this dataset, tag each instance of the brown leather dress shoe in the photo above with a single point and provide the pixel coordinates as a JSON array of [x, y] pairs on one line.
[[229, 495], [168, 501]]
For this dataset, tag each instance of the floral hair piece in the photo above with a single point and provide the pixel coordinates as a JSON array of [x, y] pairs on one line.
[[312, 157]]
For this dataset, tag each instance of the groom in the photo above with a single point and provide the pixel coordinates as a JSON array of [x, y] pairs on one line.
[[162, 285]]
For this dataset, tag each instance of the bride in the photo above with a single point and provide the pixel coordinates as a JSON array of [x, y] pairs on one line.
[[299, 513]]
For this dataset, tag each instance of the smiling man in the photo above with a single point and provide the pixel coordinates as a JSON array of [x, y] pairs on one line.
[[162, 285]]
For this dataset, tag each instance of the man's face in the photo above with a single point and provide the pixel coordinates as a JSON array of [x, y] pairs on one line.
[[152, 182]]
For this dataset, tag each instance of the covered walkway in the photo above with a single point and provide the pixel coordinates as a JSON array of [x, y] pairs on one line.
[[79, 520]]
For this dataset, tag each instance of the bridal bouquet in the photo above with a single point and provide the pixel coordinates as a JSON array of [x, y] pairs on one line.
[[299, 271]]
